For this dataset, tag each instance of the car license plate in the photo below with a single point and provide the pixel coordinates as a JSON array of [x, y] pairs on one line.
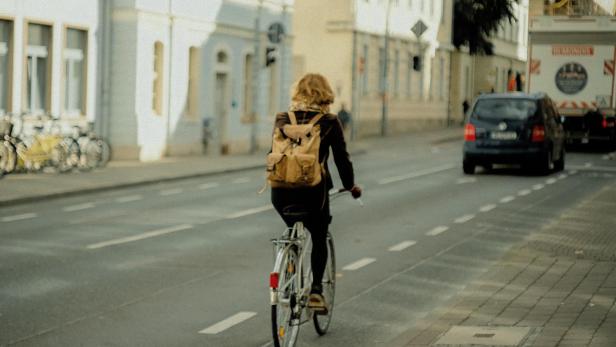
[[503, 135]]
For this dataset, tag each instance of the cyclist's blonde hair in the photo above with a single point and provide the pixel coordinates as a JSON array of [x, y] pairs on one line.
[[313, 90]]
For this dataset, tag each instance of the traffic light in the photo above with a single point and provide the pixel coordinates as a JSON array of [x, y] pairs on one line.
[[416, 63], [270, 56]]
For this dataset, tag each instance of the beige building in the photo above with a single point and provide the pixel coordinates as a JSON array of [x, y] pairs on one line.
[[345, 41], [572, 7], [474, 75]]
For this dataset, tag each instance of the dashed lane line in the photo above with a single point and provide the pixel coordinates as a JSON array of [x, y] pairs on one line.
[[141, 236], [507, 199], [227, 323], [562, 176], [464, 219], [359, 264], [465, 180], [250, 211], [402, 246], [241, 180], [79, 207], [168, 192], [524, 192], [208, 185], [550, 181], [19, 217], [437, 230], [416, 174], [129, 198], [487, 208], [538, 186]]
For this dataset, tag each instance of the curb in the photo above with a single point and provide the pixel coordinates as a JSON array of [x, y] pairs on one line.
[[146, 182]]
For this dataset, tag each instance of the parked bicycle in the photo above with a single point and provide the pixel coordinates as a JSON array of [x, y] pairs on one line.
[[291, 279]]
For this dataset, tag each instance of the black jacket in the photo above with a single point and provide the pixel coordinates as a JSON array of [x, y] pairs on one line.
[[332, 137]]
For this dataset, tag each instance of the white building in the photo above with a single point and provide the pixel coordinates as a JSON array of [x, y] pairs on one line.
[[149, 73], [345, 40]]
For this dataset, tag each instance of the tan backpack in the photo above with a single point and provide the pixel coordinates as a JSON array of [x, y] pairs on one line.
[[294, 160]]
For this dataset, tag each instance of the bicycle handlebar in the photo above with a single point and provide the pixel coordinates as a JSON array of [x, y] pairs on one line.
[[336, 193]]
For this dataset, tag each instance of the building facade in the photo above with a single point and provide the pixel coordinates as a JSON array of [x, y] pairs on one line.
[[346, 41], [157, 77]]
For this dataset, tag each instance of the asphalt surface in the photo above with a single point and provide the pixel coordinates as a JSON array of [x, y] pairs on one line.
[[156, 265]]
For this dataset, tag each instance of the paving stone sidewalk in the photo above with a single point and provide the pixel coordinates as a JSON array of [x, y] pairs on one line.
[[558, 288]]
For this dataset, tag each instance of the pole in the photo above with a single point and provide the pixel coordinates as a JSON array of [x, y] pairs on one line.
[[384, 87], [283, 59], [354, 104], [255, 80]]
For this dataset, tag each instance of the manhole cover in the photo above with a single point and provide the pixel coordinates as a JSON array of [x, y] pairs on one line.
[[483, 336]]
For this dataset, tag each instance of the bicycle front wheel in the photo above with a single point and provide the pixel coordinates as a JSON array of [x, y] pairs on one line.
[[321, 322], [286, 311]]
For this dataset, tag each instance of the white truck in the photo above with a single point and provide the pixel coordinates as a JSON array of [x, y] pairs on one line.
[[571, 58]]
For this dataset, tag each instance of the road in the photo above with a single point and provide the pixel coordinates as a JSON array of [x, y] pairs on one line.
[[186, 263]]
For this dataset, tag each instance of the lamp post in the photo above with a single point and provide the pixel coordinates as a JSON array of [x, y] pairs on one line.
[[256, 67], [385, 84]]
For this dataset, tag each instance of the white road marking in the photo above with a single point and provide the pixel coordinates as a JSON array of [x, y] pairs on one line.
[[129, 198], [79, 207], [550, 181], [173, 191], [464, 219], [416, 174], [562, 176], [228, 323], [573, 172], [359, 264], [141, 236], [587, 164], [507, 199], [487, 208], [250, 211], [597, 168], [208, 185], [19, 217], [538, 186], [524, 192], [464, 180], [241, 180], [605, 157], [438, 230], [435, 150], [402, 246]]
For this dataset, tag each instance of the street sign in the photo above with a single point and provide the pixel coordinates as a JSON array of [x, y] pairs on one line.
[[419, 28], [275, 32]]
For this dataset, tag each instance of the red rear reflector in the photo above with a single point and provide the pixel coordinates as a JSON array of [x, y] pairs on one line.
[[604, 123], [469, 133], [538, 133], [274, 280]]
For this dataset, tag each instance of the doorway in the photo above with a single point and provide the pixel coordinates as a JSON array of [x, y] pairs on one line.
[[221, 103]]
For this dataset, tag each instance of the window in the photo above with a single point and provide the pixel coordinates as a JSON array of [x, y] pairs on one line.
[[157, 81], [6, 31], [381, 78], [365, 75], [248, 76], [397, 73], [192, 95], [75, 68], [409, 73], [38, 68]]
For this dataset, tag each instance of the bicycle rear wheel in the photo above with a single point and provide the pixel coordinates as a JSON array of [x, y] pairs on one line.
[[321, 322], [286, 311]]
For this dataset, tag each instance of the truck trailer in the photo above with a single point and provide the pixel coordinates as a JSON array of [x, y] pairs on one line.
[[571, 58]]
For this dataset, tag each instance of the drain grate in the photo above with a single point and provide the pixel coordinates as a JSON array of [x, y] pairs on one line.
[[484, 336]]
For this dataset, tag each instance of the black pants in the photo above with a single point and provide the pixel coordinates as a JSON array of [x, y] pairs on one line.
[[314, 202]]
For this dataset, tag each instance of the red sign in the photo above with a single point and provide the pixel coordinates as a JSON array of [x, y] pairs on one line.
[[573, 50]]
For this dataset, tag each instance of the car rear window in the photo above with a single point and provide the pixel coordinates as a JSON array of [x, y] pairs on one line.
[[504, 109]]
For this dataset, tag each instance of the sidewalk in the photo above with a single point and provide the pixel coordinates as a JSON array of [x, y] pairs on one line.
[[557, 288], [22, 188]]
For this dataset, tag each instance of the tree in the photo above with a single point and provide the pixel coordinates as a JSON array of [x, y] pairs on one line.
[[476, 20]]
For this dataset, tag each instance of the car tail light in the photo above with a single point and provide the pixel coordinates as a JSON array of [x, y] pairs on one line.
[[469, 133], [604, 123], [538, 133], [274, 276]]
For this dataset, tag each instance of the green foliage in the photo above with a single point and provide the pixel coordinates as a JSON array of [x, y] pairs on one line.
[[476, 20]]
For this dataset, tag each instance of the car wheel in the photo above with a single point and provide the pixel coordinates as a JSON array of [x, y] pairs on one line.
[[546, 163], [559, 165], [468, 167]]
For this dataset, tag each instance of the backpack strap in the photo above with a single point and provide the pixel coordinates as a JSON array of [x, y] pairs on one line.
[[316, 118], [292, 118]]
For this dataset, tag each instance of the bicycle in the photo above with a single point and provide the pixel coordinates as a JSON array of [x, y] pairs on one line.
[[291, 279]]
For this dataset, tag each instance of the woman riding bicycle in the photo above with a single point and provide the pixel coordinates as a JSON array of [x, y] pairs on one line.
[[312, 96]]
